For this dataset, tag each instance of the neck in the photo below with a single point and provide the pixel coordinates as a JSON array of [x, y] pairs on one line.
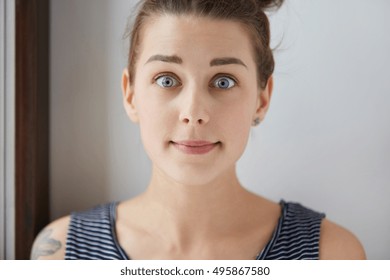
[[195, 211]]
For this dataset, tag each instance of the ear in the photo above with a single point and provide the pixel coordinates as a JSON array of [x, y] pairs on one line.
[[128, 97], [264, 99]]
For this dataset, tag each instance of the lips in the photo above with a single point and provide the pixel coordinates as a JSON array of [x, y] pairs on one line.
[[195, 147]]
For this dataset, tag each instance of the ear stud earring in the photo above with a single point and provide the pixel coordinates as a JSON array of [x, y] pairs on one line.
[[256, 122]]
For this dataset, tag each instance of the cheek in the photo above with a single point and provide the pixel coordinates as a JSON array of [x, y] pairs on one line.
[[154, 123], [148, 107], [236, 124]]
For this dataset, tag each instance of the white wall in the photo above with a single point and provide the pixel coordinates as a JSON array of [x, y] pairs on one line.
[[7, 129], [324, 142], [2, 130]]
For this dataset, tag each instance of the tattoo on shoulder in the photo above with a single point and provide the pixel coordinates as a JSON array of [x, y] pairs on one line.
[[45, 245]]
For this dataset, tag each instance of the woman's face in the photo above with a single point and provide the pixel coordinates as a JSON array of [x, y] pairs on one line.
[[195, 95]]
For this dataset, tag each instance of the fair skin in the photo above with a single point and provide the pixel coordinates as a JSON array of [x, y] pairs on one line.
[[195, 206]]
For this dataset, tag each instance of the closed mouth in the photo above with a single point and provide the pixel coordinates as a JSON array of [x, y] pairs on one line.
[[196, 147]]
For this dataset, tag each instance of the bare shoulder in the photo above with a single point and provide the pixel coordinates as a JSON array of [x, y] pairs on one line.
[[50, 242], [337, 243]]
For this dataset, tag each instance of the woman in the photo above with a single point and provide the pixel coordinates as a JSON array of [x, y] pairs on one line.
[[199, 76]]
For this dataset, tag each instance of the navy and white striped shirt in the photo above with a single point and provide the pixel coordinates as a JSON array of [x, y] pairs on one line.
[[91, 235]]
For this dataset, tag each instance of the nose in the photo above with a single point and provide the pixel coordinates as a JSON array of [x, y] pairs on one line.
[[194, 108]]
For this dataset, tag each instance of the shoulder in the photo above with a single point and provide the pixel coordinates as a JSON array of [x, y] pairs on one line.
[[337, 243], [50, 242]]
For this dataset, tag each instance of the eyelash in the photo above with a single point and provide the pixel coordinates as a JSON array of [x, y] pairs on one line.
[[223, 76], [218, 76], [171, 75]]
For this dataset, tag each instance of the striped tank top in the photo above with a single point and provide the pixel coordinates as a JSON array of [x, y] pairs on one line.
[[91, 235]]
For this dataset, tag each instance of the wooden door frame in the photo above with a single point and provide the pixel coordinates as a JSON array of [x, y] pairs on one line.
[[31, 122]]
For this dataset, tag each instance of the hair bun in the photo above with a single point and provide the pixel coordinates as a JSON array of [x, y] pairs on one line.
[[269, 4]]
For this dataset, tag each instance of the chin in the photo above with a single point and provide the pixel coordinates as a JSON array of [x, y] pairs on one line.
[[192, 176]]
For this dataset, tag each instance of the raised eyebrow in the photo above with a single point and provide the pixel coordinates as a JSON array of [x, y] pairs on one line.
[[165, 58], [226, 61]]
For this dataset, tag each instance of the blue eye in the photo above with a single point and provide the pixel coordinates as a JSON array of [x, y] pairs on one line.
[[166, 81], [224, 83]]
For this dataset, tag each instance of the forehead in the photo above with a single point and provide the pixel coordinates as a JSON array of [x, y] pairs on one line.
[[199, 37]]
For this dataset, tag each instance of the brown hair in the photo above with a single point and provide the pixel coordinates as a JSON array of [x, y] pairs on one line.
[[248, 12]]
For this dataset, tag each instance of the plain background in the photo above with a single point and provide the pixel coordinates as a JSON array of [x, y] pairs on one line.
[[324, 143]]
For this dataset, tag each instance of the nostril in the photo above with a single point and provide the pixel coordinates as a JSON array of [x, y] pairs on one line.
[[187, 121], [199, 119]]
